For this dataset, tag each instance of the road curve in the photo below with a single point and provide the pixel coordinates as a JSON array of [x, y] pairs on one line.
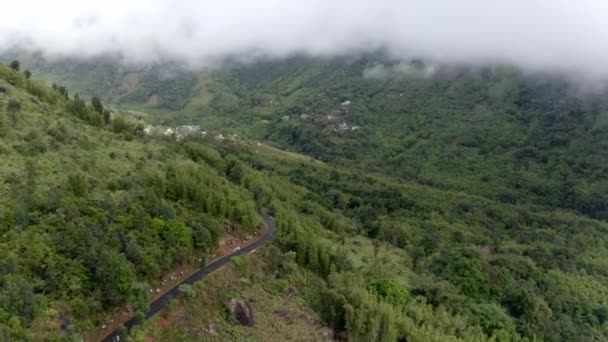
[[158, 304]]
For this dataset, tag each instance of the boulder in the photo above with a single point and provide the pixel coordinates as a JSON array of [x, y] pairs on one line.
[[284, 314], [241, 310]]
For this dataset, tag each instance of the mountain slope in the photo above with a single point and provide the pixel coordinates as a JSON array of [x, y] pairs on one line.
[[508, 136], [91, 215]]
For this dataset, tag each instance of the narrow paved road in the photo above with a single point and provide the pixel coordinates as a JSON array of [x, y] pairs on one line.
[[158, 304]]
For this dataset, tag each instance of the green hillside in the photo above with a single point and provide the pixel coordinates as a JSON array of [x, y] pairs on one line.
[[91, 212], [495, 132], [466, 205]]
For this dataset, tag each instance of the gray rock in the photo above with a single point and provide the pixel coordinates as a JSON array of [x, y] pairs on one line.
[[241, 310]]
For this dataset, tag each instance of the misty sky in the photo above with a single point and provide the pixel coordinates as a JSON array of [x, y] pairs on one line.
[[569, 36]]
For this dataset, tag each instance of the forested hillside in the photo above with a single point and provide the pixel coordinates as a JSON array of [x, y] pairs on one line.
[[92, 211], [496, 132], [443, 204]]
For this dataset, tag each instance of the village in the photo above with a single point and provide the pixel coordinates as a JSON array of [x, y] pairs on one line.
[[334, 120]]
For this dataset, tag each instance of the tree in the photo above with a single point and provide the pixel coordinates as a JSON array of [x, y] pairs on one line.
[[13, 107], [17, 298], [78, 184], [115, 277], [490, 316], [107, 117], [178, 239], [139, 293], [15, 65], [30, 176], [123, 333], [97, 106], [2, 126], [259, 196], [235, 173], [63, 91], [78, 107], [27, 74], [201, 238]]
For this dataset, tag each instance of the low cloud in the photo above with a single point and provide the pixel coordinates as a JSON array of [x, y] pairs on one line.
[[540, 35], [412, 69]]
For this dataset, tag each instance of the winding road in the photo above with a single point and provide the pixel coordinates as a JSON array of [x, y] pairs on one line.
[[158, 304]]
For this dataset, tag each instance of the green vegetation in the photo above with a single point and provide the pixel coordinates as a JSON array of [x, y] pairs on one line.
[[467, 205], [90, 214], [493, 132], [473, 267]]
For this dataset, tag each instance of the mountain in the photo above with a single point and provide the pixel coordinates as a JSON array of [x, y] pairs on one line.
[[413, 202]]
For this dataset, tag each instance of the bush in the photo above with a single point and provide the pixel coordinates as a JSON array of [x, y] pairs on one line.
[[122, 125], [288, 264], [388, 291], [238, 263], [78, 184], [187, 291]]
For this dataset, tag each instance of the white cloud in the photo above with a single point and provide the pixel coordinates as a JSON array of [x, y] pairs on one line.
[[381, 71], [562, 35]]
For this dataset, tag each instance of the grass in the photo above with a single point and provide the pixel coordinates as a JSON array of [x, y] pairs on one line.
[[270, 151]]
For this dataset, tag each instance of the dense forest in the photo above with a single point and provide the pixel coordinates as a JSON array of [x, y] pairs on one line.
[[482, 194]]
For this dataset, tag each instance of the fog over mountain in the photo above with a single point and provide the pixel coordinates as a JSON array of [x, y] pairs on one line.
[[546, 35]]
